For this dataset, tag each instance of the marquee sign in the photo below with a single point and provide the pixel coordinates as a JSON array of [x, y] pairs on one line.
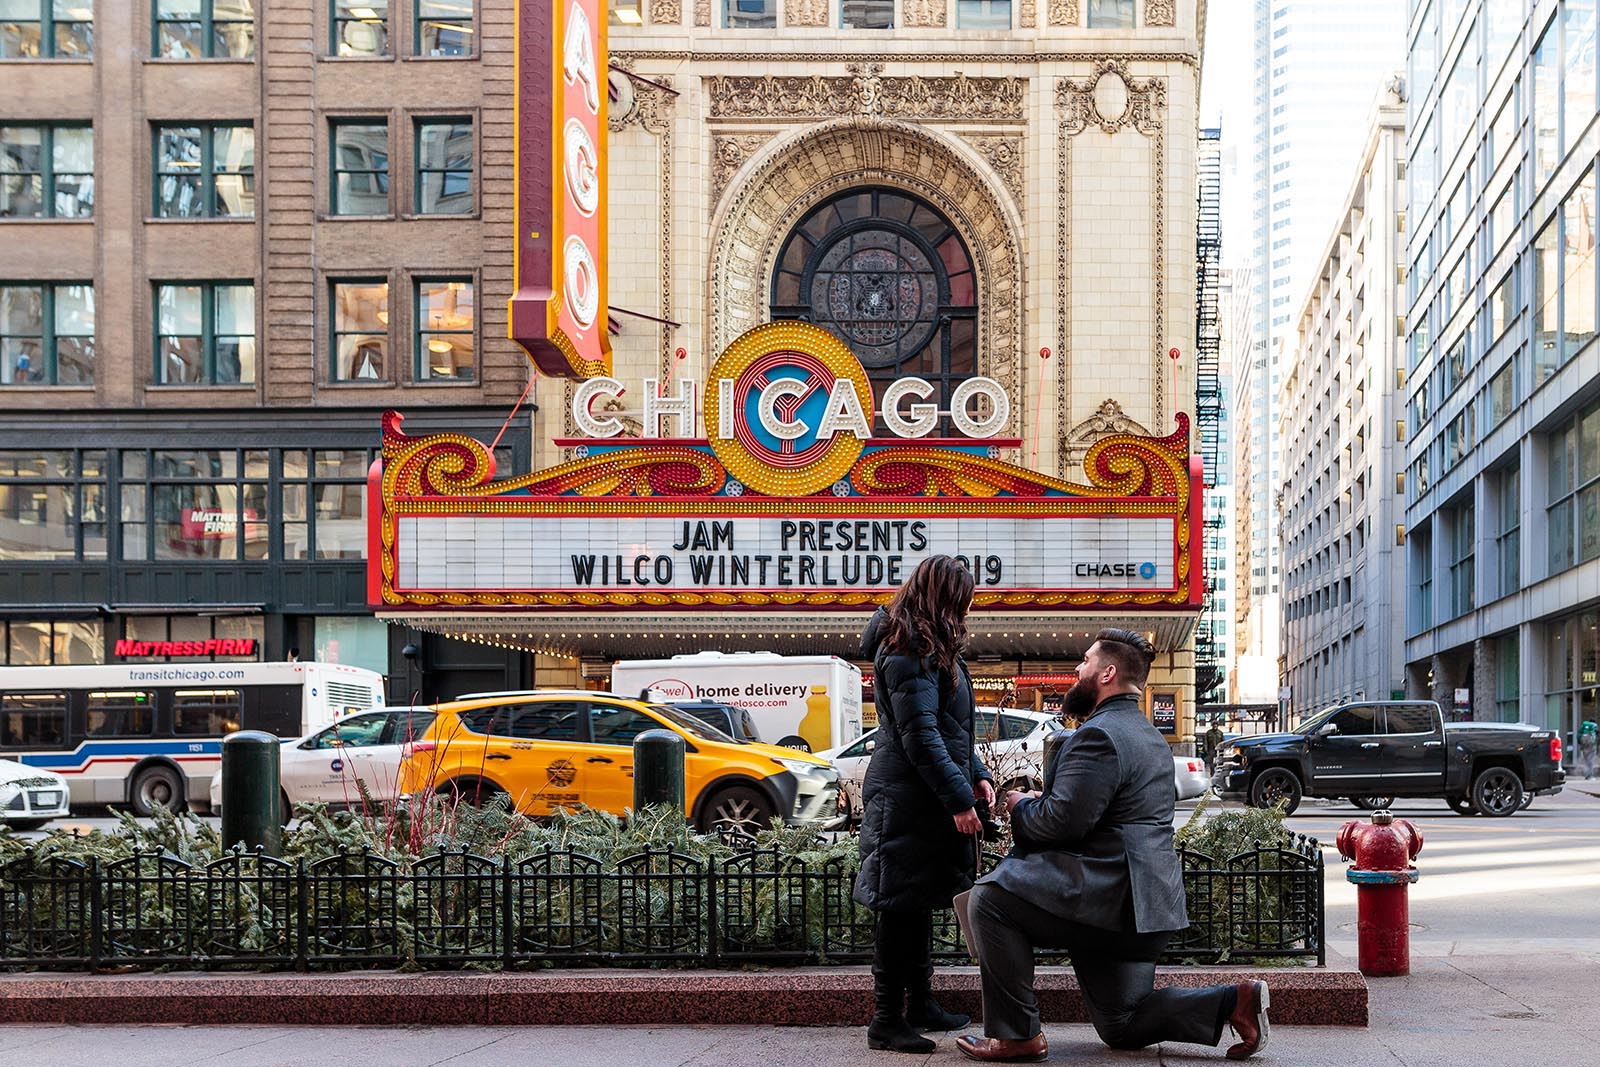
[[788, 500], [558, 311]]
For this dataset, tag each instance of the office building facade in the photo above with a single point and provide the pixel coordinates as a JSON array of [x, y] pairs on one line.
[[1503, 416], [1340, 501]]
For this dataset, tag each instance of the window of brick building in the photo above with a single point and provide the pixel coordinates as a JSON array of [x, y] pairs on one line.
[[203, 29], [360, 28], [360, 330], [445, 320], [444, 166], [46, 172], [46, 333], [360, 182], [324, 503], [443, 28], [205, 333], [205, 170], [46, 29], [52, 505]]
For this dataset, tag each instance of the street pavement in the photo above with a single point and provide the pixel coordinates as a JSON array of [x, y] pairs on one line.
[[1505, 973]]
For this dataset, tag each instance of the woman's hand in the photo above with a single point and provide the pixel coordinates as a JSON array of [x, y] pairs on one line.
[[968, 822], [986, 792]]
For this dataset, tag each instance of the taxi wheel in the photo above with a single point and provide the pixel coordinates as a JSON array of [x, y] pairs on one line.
[[473, 791], [738, 810]]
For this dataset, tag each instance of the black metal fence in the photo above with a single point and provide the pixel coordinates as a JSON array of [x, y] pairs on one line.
[[556, 908]]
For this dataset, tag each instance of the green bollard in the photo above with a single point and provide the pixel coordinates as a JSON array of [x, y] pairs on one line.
[[252, 814], [658, 770]]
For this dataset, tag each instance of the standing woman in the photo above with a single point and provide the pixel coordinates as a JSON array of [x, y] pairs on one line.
[[920, 836]]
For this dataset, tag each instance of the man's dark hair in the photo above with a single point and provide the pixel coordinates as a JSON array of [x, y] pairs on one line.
[[1130, 651]]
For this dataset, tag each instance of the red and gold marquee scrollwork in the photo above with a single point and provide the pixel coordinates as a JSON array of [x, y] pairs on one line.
[[451, 474]]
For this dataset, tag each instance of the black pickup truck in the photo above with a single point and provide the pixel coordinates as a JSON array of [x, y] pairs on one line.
[[1386, 749]]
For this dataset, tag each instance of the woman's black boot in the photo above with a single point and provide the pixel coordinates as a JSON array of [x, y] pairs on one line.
[[924, 1013], [889, 1029]]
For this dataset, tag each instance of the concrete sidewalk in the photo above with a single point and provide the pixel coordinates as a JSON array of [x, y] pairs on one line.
[[1497, 1010]]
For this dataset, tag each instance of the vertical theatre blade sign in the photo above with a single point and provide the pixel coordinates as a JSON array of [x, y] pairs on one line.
[[558, 312]]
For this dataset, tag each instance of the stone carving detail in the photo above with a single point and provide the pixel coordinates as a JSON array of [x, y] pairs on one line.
[[1111, 100], [924, 14], [806, 12], [652, 109], [702, 12], [1160, 12], [1063, 12], [1108, 418], [1028, 15], [666, 12], [1004, 154], [771, 199], [866, 91], [728, 153]]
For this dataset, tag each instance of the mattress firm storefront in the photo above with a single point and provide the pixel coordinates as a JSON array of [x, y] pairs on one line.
[[802, 320]]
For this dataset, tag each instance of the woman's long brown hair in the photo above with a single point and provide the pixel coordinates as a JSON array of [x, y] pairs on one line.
[[928, 616]]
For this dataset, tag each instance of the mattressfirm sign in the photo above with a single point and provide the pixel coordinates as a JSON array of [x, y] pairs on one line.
[[574, 554], [558, 311], [224, 646]]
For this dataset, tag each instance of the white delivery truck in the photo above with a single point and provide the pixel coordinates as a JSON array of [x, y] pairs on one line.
[[807, 702]]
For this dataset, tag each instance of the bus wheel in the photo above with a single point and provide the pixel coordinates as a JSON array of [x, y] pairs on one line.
[[157, 787]]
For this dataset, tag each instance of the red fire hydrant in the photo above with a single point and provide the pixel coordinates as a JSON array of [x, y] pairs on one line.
[[1382, 851]]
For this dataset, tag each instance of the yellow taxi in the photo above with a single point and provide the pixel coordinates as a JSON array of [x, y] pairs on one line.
[[559, 749]]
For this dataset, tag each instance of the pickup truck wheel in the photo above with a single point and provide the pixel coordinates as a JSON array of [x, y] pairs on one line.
[[1372, 803], [1498, 792], [1461, 805], [1275, 785], [1527, 801]]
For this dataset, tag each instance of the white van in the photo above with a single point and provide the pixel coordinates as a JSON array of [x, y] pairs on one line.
[[810, 703]]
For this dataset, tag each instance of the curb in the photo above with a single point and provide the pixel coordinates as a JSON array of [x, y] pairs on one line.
[[832, 996]]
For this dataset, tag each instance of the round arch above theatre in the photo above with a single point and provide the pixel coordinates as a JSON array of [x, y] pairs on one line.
[[781, 186]]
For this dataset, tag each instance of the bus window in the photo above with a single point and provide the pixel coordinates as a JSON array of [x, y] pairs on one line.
[[205, 712], [33, 720], [127, 713]]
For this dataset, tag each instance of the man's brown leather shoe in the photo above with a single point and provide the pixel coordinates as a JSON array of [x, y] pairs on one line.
[[998, 1050], [1249, 1020]]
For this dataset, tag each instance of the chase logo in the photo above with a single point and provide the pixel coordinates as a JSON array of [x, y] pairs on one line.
[[1146, 571]]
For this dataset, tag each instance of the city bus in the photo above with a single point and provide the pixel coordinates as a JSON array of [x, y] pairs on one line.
[[149, 735]]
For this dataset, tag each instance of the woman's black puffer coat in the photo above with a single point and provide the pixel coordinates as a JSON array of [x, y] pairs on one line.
[[923, 770]]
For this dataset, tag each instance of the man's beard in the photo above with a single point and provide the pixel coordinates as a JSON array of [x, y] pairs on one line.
[[1081, 699]]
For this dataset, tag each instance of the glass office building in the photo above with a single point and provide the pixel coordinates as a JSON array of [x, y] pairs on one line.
[[1502, 384]]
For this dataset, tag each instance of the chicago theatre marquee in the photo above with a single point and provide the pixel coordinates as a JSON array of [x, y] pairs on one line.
[[807, 303]]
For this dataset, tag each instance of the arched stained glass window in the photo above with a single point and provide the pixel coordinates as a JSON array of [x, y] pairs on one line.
[[888, 274]]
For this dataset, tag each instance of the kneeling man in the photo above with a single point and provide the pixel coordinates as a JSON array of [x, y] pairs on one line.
[[1094, 872]]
